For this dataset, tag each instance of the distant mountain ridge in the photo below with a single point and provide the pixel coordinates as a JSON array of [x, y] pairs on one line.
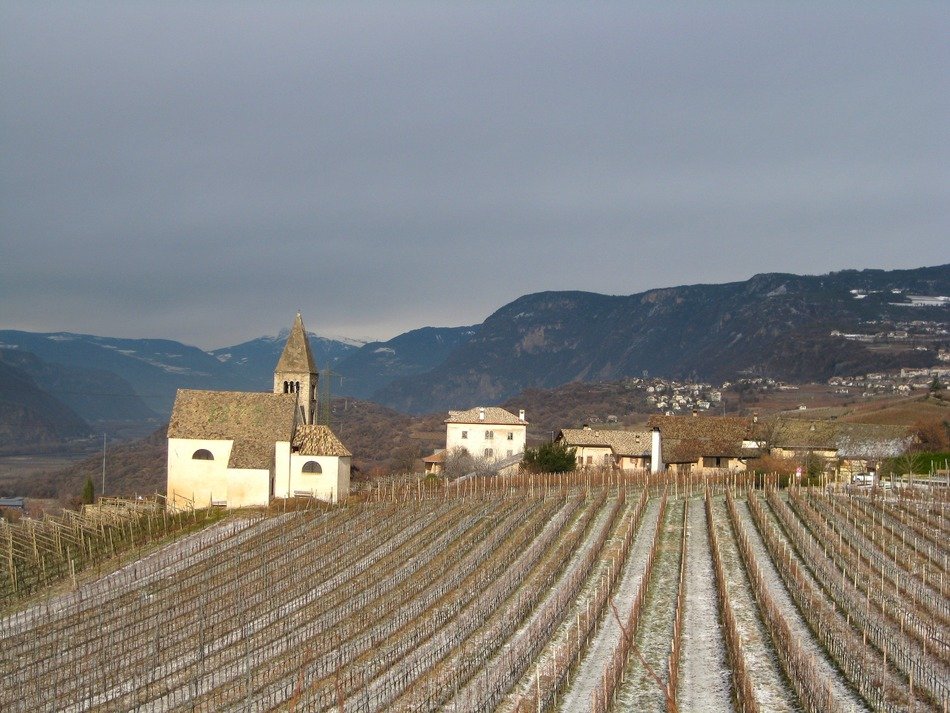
[[371, 368], [792, 327], [153, 369], [29, 416], [95, 394], [772, 324]]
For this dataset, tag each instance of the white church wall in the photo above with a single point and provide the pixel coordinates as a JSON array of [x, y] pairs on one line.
[[210, 482], [343, 478], [331, 484], [248, 487], [282, 470], [197, 480]]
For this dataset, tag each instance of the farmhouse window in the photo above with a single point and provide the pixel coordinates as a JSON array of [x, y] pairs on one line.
[[202, 454], [464, 434], [511, 436], [489, 452], [311, 466], [489, 435]]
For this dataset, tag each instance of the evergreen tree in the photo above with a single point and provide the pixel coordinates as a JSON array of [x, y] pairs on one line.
[[88, 492], [549, 458]]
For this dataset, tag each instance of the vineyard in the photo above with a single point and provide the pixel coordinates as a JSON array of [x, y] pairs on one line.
[[536, 593]]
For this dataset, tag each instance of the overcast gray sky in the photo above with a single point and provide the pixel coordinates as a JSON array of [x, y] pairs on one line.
[[201, 170]]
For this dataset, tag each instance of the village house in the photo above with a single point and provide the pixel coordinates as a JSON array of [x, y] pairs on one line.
[[699, 443], [239, 449], [434, 464], [847, 448], [615, 448], [489, 433]]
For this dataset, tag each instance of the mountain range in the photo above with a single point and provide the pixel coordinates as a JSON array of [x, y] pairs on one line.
[[790, 327]]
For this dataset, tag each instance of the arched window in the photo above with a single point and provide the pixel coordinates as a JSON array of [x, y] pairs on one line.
[[311, 466], [202, 454]]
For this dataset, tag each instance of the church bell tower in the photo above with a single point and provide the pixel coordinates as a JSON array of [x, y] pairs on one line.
[[296, 373]]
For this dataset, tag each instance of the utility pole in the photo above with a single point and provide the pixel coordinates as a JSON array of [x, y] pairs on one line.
[[325, 410], [103, 491]]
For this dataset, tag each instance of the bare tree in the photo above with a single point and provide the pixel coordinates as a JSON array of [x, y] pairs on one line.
[[458, 462], [403, 459]]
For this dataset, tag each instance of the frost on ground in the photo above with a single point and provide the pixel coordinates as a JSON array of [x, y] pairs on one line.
[[170, 558], [835, 681], [772, 691], [640, 691], [602, 645], [704, 668], [523, 631]]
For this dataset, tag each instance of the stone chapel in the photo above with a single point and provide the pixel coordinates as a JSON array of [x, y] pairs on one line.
[[241, 449]]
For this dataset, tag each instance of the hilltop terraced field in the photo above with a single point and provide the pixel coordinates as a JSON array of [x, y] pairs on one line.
[[541, 594]]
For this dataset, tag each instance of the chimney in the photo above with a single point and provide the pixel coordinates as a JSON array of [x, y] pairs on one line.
[[521, 415], [755, 417], [481, 414], [656, 462], [695, 411]]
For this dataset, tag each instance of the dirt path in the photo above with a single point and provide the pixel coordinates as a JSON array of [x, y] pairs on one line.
[[600, 649], [842, 691], [704, 669], [640, 692], [772, 691]]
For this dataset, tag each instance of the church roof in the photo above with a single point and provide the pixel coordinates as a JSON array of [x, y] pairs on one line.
[[314, 440], [296, 357], [254, 421]]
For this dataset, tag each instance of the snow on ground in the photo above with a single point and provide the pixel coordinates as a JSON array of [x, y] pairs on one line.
[[772, 691], [640, 692], [602, 645], [704, 668], [836, 682]]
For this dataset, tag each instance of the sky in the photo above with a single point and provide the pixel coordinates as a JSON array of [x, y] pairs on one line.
[[200, 171]]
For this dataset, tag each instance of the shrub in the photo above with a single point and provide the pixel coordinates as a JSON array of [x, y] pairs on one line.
[[549, 458]]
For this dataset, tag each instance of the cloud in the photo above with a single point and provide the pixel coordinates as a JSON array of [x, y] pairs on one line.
[[200, 171]]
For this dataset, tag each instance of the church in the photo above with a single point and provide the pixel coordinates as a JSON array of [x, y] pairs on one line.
[[241, 449]]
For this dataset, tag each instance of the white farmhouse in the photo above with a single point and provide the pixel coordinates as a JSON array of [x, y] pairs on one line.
[[239, 449], [488, 432]]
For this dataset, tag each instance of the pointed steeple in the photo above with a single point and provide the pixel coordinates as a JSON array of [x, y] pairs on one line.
[[297, 357], [296, 374]]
